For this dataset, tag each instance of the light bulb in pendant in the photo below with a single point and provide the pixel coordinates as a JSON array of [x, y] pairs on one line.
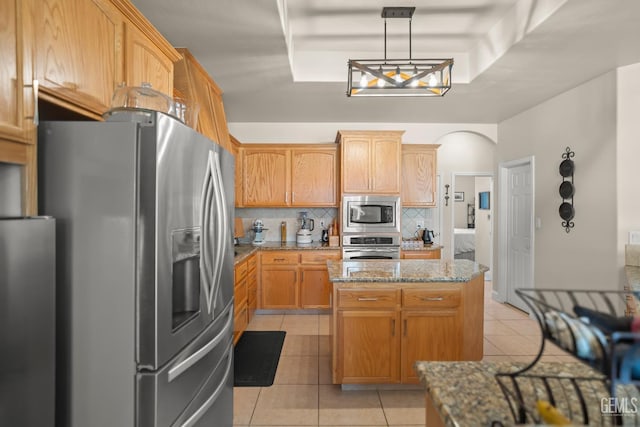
[[398, 77], [433, 80], [363, 80]]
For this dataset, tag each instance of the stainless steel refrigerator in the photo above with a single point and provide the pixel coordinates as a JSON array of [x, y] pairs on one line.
[[27, 321], [145, 271]]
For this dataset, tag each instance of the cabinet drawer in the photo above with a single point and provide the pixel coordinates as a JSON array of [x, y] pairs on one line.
[[367, 298], [431, 254], [240, 292], [433, 298], [279, 258], [252, 263], [318, 257], [240, 271]]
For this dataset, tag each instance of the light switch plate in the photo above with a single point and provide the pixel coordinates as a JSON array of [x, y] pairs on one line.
[[634, 237]]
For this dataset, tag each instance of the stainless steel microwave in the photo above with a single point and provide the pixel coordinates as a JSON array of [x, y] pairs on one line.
[[370, 214]]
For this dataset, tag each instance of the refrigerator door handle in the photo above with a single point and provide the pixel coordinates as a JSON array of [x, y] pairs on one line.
[[205, 257], [181, 367], [221, 231], [193, 419]]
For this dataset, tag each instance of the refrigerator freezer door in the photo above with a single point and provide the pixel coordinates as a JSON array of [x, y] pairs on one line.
[[195, 386], [27, 322]]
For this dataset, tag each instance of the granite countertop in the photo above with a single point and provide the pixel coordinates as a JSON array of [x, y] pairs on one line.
[[404, 270], [468, 394], [243, 250]]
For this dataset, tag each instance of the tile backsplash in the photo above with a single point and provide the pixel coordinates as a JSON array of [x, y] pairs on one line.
[[272, 217]]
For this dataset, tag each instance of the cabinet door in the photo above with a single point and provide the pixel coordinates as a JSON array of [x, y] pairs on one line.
[[385, 153], [356, 165], [265, 180], [147, 63], [315, 287], [78, 52], [220, 120], [279, 287], [434, 335], [16, 100], [313, 178], [419, 176], [368, 347]]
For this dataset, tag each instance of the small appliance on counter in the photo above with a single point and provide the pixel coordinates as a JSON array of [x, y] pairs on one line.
[[306, 227], [427, 236], [258, 228]]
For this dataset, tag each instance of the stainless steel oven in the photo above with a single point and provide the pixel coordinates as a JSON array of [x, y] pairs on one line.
[[371, 214], [371, 246]]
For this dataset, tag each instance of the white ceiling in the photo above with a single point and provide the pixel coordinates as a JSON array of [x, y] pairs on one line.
[[286, 60]]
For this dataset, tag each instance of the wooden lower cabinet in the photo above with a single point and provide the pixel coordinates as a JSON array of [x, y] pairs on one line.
[[244, 294], [295, 279], [367, 344], [377, 335], [426, 335], [252, 286], [279, 286]]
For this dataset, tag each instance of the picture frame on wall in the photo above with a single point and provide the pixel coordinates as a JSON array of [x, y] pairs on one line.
[[458, 196]]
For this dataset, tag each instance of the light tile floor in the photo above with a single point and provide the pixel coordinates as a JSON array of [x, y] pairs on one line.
[[302, 393]]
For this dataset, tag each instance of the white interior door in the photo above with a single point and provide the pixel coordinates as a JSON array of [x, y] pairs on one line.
[[519, 234]]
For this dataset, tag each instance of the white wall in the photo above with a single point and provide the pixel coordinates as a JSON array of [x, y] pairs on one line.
[[627, 174], [467, 185], [584, 119], [415, 133], [484, 231], [465, 153]]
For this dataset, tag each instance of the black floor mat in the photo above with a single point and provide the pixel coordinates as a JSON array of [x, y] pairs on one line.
[[256, 358]]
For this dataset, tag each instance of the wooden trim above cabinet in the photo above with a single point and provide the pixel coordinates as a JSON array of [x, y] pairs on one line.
[[139, 20]]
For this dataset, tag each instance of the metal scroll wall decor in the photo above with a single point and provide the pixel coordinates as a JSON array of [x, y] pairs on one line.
[[566, 210], [446, 194]]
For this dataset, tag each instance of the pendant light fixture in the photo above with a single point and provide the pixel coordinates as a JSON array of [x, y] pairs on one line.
[[399, 77]]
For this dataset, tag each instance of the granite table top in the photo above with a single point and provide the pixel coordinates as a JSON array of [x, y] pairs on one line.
[[468, 394], [404, 271], [243, 250]]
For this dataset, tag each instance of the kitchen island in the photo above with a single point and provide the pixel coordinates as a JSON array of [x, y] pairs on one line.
[[388, 314]]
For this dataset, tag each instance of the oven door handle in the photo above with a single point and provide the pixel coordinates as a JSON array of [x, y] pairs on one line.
[[370, 250]]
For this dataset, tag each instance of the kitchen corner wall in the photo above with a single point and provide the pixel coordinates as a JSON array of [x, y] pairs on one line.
[[273, 217]]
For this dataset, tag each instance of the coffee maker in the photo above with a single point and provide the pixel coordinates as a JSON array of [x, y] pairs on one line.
[[305, 227]]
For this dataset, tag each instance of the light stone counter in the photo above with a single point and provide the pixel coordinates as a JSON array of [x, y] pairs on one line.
[[404, 271], [468, 394]]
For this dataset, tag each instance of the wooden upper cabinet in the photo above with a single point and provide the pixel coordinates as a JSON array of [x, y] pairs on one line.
[[16, 92], [194, 83], [285, 175], [313, 177], [78, 58], [370, 161], [84, 49], [145, 63], [419, 165], [265, 177]]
